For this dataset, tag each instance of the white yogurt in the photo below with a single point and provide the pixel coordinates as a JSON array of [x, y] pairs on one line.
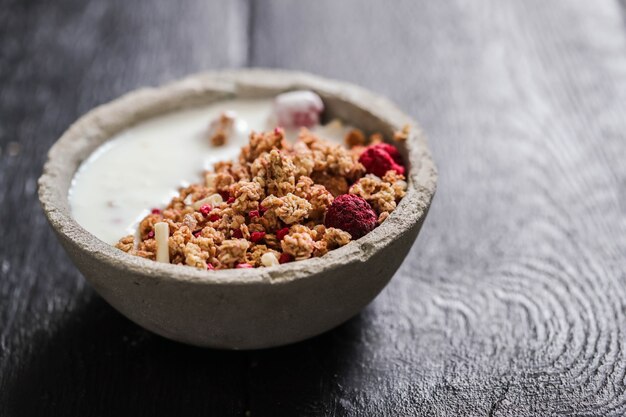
[[143, 167]]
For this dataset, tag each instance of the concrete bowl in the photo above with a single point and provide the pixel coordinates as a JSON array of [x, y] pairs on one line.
[[239, 308]]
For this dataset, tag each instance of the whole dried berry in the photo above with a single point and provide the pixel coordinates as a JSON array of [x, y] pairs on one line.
[[256, 236], [377, 160], [280, 234], [392, 151], [351, 214], [205, 209], [284, 258]]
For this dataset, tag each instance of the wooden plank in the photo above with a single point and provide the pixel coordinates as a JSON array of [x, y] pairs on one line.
[[63, 351], [511, 302]]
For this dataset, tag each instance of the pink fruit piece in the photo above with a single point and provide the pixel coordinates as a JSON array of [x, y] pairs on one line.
[[351, 214], [300, 108], [377, 161], [256, 236], [205, 209], [280, 234], [284, 258]]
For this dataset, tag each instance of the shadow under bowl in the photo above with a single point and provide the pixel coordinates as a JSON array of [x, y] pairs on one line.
[[239, 308]]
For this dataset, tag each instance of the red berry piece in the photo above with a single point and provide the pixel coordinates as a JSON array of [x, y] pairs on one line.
[[253, 214], [237, 234], [230, 200], [197, 233], [351, 214], [262, 209], [225, 195], [150, 234], [257, 236], [214, 218], [378, 161], [205, 209], [280, 234], [155, 211], [284, 258], [210, 267], [244, 266], [392, 151]]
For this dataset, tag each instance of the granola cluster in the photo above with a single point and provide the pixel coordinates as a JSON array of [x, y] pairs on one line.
[[270, 206]]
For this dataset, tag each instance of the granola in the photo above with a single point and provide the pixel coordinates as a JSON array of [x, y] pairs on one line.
[[270, 206]]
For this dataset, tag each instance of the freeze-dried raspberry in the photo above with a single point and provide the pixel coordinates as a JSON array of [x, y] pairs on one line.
[[205, 209], [351, 214], [377, 159], [237, 234], [284, 258], [253, 213], [391, 150], [256, 236], [155, 211], [280, 234]]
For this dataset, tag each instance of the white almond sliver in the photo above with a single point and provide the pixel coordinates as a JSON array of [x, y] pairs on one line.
[[213, 200], [161, 235]]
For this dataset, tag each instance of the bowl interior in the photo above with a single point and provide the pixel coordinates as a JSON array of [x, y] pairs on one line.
[[352, 104]]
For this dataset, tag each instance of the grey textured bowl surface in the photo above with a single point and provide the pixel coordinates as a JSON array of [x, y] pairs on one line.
[[239, 308]]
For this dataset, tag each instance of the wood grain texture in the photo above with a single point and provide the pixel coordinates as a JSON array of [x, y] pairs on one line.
[[511, 302]]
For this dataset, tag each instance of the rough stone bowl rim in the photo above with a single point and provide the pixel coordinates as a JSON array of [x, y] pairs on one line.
[[413, 207]]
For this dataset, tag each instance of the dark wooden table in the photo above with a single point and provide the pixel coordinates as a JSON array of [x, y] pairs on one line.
[[511, 303]]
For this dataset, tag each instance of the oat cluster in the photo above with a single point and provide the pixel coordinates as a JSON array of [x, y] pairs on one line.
[[269, 206]]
